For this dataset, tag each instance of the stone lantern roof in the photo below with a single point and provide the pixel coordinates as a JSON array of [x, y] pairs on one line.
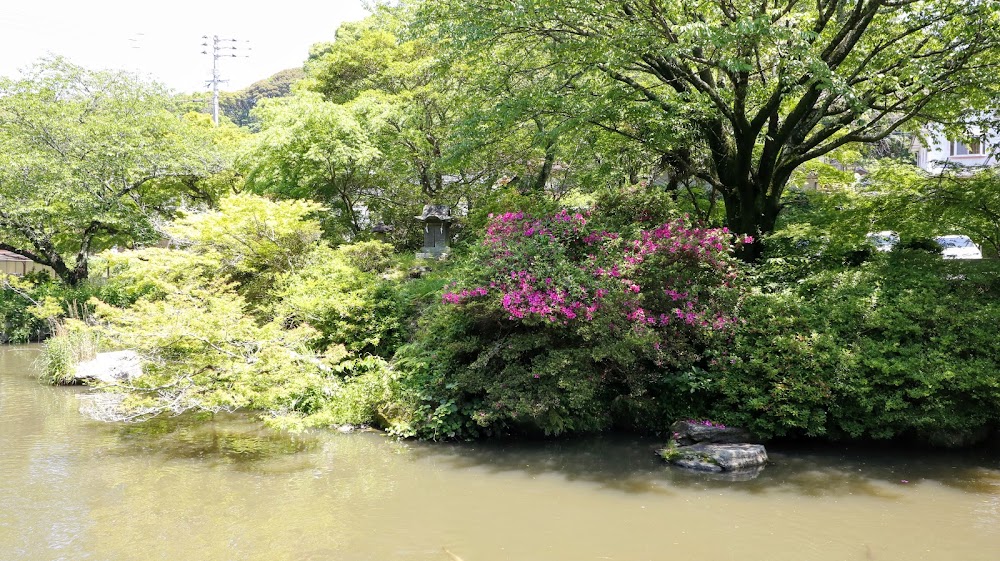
[[435, 212]]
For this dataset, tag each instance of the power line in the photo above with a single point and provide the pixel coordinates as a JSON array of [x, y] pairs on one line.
[[219, 48]]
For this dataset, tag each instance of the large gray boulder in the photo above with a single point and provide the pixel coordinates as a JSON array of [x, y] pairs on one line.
[[110, 368], [717, 457], [686, 433]]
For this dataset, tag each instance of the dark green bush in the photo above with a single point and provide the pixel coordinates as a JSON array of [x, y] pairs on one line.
[[901, 347]]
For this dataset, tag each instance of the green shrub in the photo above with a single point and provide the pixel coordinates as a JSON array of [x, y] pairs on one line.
[[346, 305], [902, 347], [355, 392], [17, 323], [370, 257], [253, 312], [31, 307], [630, 209]]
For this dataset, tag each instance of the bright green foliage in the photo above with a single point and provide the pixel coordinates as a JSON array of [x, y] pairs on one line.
[[213, 324], [357, 394], [371, 64], [87, 160], [32, 307], [903, 346], [371, 256], [360, 59], [154, 272], [311, 148], [408, 107], [204, 352], [254, 241], [435, 145], [345, 304]]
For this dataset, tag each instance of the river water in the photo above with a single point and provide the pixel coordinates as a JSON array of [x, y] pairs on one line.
[[224, 489]]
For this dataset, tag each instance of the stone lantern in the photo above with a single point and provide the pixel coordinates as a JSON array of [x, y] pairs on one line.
[[812, 180], [437, 231], [381, 230]]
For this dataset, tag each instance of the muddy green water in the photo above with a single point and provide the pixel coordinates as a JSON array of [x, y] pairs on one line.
[[225, 490]]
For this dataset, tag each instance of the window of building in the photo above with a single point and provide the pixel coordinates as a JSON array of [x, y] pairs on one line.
[[971, 148]]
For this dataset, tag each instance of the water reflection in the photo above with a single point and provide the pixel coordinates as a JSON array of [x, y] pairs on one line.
[[629, 464], [224, 489], [228, 438]]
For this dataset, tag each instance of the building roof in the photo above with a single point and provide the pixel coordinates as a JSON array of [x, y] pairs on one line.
[[11, 256]]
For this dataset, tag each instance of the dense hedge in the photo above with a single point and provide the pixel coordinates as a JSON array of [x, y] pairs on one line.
[[905, 345]]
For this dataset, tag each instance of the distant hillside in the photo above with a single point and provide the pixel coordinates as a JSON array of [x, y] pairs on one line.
[[237, 105]]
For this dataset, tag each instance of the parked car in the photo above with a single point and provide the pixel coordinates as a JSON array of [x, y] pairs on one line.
[[884, 240], [958, 247]]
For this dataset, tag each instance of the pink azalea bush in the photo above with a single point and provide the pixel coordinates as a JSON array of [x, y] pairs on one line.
[[557, 323], [560, 270]]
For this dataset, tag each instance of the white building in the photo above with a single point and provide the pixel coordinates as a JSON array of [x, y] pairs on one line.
[[943, 152]]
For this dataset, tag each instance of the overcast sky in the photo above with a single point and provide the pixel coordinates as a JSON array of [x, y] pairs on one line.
[[162, 40]]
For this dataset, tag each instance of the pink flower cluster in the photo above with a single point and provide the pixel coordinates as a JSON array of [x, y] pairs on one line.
[[459, 297], [507, 227], [681, 266], [556, 269], [680, 241], [525, 297]]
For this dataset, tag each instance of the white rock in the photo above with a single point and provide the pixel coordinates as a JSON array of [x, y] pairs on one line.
[[110, 368]]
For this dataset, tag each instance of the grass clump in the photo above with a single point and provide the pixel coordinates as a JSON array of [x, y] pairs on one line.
[[73, 342]]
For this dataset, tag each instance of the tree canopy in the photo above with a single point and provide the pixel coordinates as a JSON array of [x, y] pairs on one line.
[[312, 148], [738, 93], [89, 160]]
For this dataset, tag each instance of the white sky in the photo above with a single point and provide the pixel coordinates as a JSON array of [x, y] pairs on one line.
[[162, 39]]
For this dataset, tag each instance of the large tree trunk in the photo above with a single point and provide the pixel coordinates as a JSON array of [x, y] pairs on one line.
[[79, 273], [752, 210]]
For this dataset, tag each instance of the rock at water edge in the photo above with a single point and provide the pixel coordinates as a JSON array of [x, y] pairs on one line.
[[727, 457], [110, 368]]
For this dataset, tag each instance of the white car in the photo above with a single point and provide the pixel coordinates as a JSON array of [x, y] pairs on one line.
[[958, 247], [883, 241]]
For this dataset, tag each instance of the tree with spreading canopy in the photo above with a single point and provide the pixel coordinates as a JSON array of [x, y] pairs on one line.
[[740, 93], [373, 61], [446, 133], [312, 148], [89, 160]]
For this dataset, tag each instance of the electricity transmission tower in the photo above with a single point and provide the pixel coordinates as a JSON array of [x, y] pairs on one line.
[[219, 48]]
